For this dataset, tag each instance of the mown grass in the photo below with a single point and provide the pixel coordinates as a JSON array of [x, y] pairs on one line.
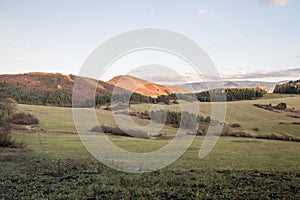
[[248, 116], [241, 112], [57, 166], [229, 152]]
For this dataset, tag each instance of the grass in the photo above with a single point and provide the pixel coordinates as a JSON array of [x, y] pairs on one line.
[[242, 112], [248, 116], [58, 166], [277, 95], [229, 153]]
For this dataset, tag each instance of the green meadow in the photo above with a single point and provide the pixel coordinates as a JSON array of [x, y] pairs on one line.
[[58, 166]]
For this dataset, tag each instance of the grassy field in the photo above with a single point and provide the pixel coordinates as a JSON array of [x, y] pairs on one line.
[[57, 166], [248, 116], [241, 112]]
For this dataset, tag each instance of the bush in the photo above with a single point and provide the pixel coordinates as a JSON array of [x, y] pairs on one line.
[[281, 106], [5, 138], [119, 132], [107, 108], [207, 119], [24, 119], [235, 125], [7, 107]]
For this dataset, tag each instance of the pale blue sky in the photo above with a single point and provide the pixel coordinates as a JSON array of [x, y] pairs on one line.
[[249, 36]]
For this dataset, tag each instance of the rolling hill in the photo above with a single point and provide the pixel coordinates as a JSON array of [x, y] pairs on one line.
[[40, 81], [52, 88], [202, 86], [145, 87]]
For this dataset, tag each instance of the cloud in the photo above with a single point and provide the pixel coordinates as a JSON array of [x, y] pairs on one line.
[[264, 74], [165, 79], [278, 3], [239, 75], [202, 12], [192, 77], [151, 13]]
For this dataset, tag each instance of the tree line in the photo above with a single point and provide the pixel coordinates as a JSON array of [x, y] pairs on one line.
[[179, 119], [291, 87], [226, 94], [36, 97], [64, 97]]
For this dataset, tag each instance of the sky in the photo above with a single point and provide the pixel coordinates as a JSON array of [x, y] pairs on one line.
[[249, 39]]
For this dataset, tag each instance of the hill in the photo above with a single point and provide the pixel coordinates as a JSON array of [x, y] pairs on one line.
[[41, 81], [291, 87], [49, 88], [145, 87], [202, 86]]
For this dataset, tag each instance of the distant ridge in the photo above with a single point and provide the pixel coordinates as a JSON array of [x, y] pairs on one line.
[[145, 87], [203, 86]]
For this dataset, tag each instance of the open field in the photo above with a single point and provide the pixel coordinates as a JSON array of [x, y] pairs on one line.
[[58, 166], [250, 117], [240, 112]]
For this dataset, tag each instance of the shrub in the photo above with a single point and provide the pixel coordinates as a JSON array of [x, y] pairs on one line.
[[200, 119], [7, 107], [24, 119], [281, 106], [207, 119], [235, 125], [119, 132], [107, 108]]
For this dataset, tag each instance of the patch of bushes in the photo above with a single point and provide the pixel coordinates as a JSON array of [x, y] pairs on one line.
[[7, 108], [280, 106], [278, 136], [184, 119], [119, 132], [24, 119], [203, 128], [240, 134], [235, 125]]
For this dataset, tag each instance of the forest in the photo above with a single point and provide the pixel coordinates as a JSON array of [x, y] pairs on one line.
[[36, 97], [178, 119], [61, 97], [291, 87]]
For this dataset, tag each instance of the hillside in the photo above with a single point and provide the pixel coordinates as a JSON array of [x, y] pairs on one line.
[[54, 81], [291, 87], [202, 86], [50, 88], [145, 87]]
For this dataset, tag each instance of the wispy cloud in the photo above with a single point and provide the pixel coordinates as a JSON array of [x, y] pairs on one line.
[[202, 12], [264, 74], [151, 13], [278, 3], [193, 77], [165, 79]]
